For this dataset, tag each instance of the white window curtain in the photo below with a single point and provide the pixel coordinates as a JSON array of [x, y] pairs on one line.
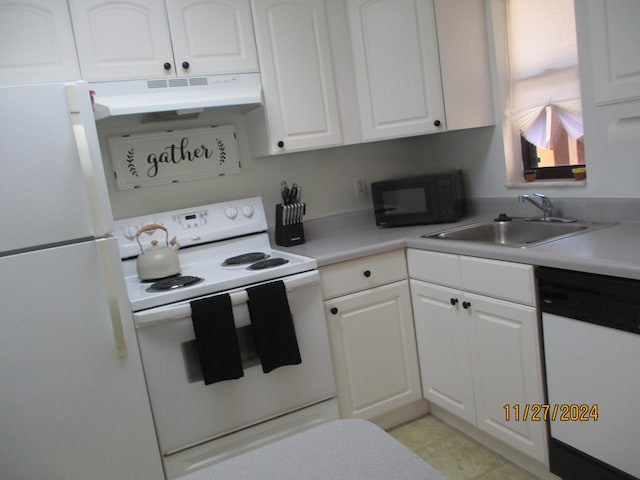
[[543, 64]]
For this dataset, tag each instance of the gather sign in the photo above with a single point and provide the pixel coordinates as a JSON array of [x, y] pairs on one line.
[[173, 156]]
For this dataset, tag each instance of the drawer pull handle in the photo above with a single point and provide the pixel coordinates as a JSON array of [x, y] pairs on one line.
[[466, 305], [454, 301], [367, 273], [334, 310]]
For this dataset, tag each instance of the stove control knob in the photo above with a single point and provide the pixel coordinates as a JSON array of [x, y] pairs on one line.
[[231, 212], [247, 211], [130, 232]]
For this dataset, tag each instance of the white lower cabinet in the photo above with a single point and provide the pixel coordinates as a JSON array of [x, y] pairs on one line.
[[479, 355], [443, 348], [372, 337]]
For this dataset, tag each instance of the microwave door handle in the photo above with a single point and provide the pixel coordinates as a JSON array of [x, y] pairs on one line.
[[179, 311]]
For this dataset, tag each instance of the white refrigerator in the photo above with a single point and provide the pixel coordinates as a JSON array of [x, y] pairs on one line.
[[73, 401]]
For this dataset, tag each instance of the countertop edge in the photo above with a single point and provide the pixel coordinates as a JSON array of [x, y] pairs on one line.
[[607, 251]]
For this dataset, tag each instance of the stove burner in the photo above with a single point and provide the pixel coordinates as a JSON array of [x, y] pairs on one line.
[[268, 263], [244, 259], [174, 282]]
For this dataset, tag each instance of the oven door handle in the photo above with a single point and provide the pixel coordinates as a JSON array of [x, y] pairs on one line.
[[238, 296]]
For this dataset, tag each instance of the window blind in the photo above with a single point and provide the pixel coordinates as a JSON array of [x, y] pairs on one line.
[[543, 65]]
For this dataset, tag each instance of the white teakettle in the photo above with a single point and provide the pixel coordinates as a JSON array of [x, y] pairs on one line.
[[158, 261]]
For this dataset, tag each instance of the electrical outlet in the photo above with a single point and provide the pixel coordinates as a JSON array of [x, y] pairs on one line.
[[359, 187]]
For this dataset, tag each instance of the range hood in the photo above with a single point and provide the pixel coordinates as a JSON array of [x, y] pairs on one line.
[[187, 94]]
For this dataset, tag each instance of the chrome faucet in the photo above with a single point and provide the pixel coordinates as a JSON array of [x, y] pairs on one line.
[[545, 204]]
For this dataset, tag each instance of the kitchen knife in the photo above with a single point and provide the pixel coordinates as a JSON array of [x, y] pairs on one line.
[[293, 194]]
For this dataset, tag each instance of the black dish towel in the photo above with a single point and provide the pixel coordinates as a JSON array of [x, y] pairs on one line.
[[273, 326], [216, 339]]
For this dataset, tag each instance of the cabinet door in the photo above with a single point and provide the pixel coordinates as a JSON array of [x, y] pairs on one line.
[[506, 369], [212, 36], [122, 39], [464, 63], [36, 42], [614, 35], [395, 50], [374, 351], [297, 74], [443, 350]]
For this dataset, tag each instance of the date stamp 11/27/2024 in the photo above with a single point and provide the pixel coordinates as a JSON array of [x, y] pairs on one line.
[[541, 412]]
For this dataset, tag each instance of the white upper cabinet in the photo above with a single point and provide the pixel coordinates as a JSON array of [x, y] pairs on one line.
[[212, 36], [614, 37], [414, 78], [464, 63], [132, 39], [297, 76], [122, 40], [397, 69], [36, 42]]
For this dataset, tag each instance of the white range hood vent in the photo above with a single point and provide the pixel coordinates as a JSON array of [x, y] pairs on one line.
[[184, 95]]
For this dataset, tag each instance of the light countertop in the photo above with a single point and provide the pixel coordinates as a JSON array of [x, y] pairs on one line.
[[612, 250], [330, 451]]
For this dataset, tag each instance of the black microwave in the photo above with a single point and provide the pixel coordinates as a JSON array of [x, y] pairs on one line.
[[433, 198]]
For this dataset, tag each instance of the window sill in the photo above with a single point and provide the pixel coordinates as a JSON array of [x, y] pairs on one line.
[[554, 183]]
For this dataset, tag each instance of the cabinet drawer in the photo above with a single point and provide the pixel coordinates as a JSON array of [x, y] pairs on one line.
[[504, 280], [434, 267], [356, 275]]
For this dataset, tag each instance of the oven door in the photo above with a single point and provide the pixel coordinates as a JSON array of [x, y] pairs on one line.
[[187, 412]]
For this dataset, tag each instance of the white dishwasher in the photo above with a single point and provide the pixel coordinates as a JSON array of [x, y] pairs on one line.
[[591, 335]]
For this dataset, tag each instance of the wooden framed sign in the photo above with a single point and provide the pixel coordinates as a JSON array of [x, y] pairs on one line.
[[174, 156]]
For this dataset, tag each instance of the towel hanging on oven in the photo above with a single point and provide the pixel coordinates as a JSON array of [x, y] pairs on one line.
[[216, 339], [273, 326]]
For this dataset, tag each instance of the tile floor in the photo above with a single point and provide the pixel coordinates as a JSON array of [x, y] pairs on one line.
[[453, 453]]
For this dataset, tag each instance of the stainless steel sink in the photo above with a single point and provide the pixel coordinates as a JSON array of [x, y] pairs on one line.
[[517, 232]]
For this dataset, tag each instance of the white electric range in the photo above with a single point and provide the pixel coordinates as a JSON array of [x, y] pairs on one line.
[[208, 235], [200, 424]]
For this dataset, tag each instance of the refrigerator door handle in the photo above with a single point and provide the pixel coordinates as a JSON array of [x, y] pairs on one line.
[[86, 165], [99, 217], [104, 259]]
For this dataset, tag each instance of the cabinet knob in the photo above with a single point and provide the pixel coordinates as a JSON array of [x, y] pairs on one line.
[[367, 273], [334, 310], [437, 123], [466, 305], [166, 66], [185, 65], [454, 301], [280, 144]]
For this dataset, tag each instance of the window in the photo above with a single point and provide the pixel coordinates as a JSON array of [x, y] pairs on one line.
[[544, 99]]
